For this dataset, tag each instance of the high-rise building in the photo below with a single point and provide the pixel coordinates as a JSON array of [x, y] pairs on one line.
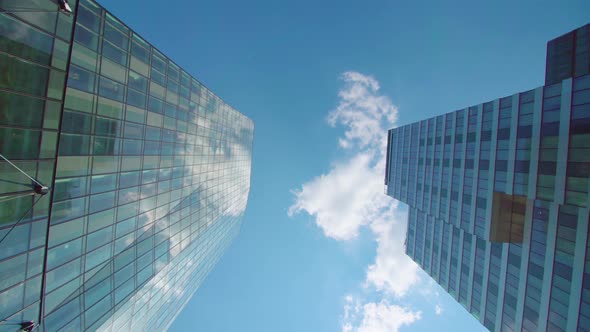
[[498, 198], [148, 173]]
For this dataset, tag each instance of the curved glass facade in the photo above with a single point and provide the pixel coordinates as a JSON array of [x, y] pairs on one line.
[[149, 174]]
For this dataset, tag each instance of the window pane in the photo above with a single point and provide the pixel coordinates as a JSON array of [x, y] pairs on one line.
[[114, 53], [64, 253], [151, 148], [113, 70], [157, 77], [102, 183], [140, 52], [69, 188], [135, 98], [116, 23], [68, 209], [155, 105], [98, 238], [173, 71], [102, 201], [88, 18], [159, 63], [132, 147], [13, 271], [78, 123], [86, 38], [106, 127], [74, 145], [133, 130], [115, 36], [170, 110], [129, 179], [111, 89], [137, 81], [19, 143], [24, 41], [18, 110], [106, 146], [84, 57], [81, 79], [21, 76]]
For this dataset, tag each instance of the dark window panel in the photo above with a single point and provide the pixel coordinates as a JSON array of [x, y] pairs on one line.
[[74, 145], [22, 76], [155, 105], [24, 41], [18, 110], [135, 98], [106, 127], [19, 143], [77, 123], [112, 52], [137, 81], [111, 89], [86, 38], [81, 79], [88, 19]]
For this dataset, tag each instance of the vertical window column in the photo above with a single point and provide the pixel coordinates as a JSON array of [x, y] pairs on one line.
[[564, 136], [421, 167], [503, 144], [578, 163], [458, 170], [436, 246], [491, 306], [413, 190], [578, 305], [584, 311], [536, 266], [549, 137], [478, 272], [511, 288], [567, 222], [469, 170], [429, 165], [437, 166], [492, 166], [523, 143], [446, 167], [405, 162], [483, 170]]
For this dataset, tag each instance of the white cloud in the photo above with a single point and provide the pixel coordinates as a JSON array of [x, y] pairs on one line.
[[351, 196], [342, 200], [364, 111], [383, 317], [438, 310], [379, 317], [393, 272]]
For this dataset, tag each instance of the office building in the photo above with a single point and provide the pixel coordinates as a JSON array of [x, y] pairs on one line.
[[498, 198], [148, 174]]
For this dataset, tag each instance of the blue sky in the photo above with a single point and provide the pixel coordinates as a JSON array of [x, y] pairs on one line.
[[321, 248]]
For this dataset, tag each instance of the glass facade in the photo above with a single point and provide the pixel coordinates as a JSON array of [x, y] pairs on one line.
[[498, 197], [568, 55], [149, 174]]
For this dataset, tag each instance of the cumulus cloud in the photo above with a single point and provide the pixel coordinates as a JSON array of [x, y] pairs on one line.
[[377, 317], [438, 310], [364, 111], [383, 317], [393, 272], [350, 196], [341, 200]]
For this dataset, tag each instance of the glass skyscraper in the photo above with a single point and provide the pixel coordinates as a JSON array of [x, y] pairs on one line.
[[498, 198], [148, 174]]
